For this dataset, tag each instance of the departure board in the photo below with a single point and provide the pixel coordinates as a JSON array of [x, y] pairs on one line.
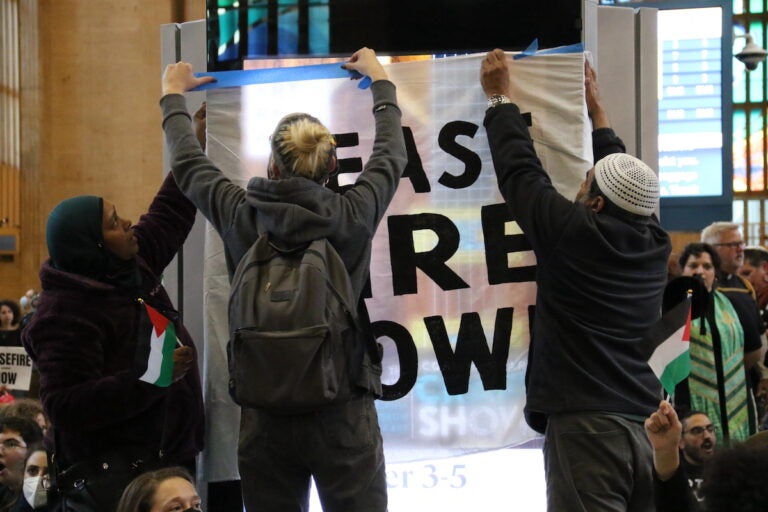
[[690, 102]]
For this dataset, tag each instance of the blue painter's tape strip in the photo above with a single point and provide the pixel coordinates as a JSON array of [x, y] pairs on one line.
[[274, 75], [571, 48], [533, 49]]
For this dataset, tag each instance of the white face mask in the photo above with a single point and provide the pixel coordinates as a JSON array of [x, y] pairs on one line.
[[34, 492]]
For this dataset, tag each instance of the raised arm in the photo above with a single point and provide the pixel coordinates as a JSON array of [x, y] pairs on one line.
[[373, 190], [671, 492], [494, 74], [595, 108], [215, 195], [538, 208], [162, 230], [664, 429], [178, 78], [364, 61], [604, 139]]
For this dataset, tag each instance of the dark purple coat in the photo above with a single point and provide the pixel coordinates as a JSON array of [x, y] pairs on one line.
[[83, 340]]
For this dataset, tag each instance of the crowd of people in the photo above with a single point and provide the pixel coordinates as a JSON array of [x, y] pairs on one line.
[[114, 431]]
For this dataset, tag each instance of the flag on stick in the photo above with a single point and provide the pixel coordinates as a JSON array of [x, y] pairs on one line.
[[162, 343], [671, 359]]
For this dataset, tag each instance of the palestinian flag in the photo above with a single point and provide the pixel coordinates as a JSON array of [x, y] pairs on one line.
[[671, 360], [162, 342]]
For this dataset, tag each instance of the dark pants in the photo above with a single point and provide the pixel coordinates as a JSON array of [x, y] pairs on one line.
[[341, 448], [597, 463]]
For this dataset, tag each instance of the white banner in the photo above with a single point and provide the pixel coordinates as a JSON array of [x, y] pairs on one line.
[[15, 368], [452, 277]]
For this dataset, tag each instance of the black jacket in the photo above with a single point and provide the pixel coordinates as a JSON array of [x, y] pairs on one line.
[[600, 284]]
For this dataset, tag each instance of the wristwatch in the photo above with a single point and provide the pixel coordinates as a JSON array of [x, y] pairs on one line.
[[494, 100]]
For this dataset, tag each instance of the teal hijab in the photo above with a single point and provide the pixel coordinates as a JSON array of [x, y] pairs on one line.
[[76, 244]]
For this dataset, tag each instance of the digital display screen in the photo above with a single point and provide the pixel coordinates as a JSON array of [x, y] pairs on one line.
[[238, 30], [690, 102]]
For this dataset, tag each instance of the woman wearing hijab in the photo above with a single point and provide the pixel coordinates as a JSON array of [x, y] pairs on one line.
[[117, 407]]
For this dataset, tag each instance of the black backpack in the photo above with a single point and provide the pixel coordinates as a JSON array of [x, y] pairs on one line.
[[296, 344]]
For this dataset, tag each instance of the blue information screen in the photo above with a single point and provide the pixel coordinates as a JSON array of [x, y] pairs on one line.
[[690, 102]]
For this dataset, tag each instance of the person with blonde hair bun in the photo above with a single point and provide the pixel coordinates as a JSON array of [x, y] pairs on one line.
[[340, 447], [302, 146]]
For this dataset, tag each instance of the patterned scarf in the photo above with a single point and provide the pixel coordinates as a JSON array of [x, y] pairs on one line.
[[703, 382]]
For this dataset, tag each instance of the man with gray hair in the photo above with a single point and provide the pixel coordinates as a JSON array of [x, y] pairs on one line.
[[728, 241], [602, 268]]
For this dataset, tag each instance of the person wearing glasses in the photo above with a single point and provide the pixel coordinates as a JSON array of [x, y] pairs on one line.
[[725, 344], [16, 434], [734, 478], [696, 444], [697, 447], [728, 242]]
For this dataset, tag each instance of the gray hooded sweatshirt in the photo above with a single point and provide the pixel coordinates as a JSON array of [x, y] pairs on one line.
[[295, 210]]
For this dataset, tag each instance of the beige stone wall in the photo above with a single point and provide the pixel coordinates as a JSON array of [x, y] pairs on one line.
[[90, 120]]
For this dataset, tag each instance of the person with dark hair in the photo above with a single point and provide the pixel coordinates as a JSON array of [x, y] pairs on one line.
[[10, 317], [697, 446], [16, 434], [726, 344], [36, 481], [117, 403], [755, 270], [162, 490], [341, 447], [736, 477], [30, 408], [601, 271]]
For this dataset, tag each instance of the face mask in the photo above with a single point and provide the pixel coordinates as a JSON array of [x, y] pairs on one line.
[[34, 492], [193, 510], [24, 302]]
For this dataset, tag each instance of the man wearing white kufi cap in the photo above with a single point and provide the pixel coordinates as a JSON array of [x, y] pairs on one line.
[[628, 183], [602, 268]]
